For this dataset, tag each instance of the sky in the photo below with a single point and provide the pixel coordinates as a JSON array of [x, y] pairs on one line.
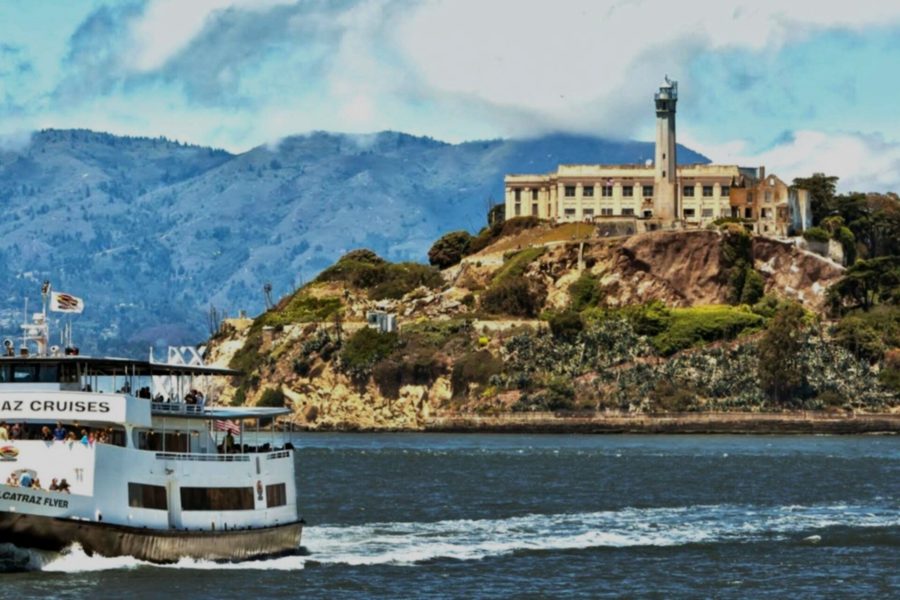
[[801, 87]]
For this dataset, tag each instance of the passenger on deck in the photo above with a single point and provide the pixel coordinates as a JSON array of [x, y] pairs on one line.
[[12, 480], [59, 434], [54, 486], [15, 432], [46, 434], [63, 486], [4, 434], [85, 438], [228, 444]]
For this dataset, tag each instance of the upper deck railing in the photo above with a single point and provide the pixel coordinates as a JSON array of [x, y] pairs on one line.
[[176, 408], [221, 457]]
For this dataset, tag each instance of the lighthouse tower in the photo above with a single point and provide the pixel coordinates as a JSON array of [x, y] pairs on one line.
[[665, 198]]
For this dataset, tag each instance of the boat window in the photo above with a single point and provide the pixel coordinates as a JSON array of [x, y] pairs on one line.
[[276, 495], [4, 373], [48, 374], [141, 495], [230, 498], [24, 373], [153, 440]]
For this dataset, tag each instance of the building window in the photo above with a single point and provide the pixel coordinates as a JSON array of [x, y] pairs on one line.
[[588, 213], [748, 213], [224, 498], [606, 212], [628, 191], [569, 212], [276, 495], [764, 213], [534, 210], [688, 191], [707, 191], [648, 191], [518, 210], [628, 212], [750, 197], [570, 191], [607, 190], [707, 213], [588, 190], [534, 194], [147, 496], [726, 191], [518, 194], [768, 196], [689, 213], [648, 214]]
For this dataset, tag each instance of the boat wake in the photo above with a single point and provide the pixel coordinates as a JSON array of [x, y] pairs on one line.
[[407, 543]]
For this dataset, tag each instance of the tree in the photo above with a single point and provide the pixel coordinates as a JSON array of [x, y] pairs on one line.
[[867, 283], [782, 371], [821, 190], [450, 249]]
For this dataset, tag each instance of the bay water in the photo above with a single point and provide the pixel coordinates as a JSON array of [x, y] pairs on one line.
[[551, 516]]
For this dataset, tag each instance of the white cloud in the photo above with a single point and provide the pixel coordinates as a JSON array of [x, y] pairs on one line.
[[592, 61], [863, 162], [168, 26]]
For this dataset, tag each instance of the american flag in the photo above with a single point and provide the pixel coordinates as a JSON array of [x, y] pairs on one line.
[[227, 426]]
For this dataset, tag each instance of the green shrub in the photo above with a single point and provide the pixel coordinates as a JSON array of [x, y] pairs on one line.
[[515, 297], [848, 244], [364, 348], [566, 325], [365, 270], [516, 264], [754, 287], [585, 292], [402, 278], [272, 397], [489, 235], [890, 372], [816, 234], [302, 308], [449, 249], [867, 335], [672, 396], [473, 367], [558, 393], [648, 319], [692, 326]]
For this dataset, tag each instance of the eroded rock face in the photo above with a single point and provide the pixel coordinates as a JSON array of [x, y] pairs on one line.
[[795, 273]]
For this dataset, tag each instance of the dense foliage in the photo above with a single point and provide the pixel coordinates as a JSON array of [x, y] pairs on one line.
[[450, 249], [382, 279]]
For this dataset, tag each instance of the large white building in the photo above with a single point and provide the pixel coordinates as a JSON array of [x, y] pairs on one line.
[[661, 195]]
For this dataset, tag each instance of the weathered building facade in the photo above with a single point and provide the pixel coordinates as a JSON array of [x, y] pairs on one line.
[[661, 195]]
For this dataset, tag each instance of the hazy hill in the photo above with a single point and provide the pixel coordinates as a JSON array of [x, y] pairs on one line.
[[152, 232]]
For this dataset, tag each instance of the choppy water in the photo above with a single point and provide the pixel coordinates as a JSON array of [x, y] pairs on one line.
[[552, 516]]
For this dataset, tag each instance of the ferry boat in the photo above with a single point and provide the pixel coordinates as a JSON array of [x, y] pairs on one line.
[[129, 457]]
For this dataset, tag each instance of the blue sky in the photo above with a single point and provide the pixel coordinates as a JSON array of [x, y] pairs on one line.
[[804, 88]]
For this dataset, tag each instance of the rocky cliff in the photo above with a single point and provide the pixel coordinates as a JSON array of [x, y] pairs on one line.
[[661, 330]]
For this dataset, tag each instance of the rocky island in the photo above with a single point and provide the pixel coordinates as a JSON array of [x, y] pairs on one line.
[[533, 326]]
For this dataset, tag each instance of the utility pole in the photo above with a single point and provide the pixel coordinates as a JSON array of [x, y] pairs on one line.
[[267, 292]]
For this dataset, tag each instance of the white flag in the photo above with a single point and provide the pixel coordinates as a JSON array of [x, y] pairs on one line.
[[65, 303]]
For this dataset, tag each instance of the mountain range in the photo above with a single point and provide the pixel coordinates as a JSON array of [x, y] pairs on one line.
[[153, 232]]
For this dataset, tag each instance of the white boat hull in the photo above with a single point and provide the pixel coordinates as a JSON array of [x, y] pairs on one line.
[[160, 546]]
